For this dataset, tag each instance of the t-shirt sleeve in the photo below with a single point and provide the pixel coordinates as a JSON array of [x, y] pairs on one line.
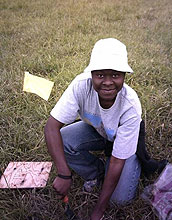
[[66, 109], [125, 143]]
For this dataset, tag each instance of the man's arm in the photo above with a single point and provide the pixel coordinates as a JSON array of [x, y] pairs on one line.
[[55, 148], [110, 182]]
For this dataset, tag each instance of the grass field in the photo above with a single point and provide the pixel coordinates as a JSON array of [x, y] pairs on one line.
[[53, 39]]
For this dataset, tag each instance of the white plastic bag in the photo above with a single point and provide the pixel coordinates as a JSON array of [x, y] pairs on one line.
[[159, 194]]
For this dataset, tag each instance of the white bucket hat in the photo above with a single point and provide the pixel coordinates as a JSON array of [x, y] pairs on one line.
[[109, 53]]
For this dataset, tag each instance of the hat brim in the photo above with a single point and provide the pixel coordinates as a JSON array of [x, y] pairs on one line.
[[122, 68]]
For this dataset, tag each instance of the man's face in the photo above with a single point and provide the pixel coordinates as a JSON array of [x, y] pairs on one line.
[[107, 84]]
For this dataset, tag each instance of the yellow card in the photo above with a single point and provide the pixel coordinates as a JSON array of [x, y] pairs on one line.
[[37, 85]]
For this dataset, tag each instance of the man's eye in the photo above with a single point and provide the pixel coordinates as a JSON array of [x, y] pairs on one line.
[[100, 75], [115, 75]]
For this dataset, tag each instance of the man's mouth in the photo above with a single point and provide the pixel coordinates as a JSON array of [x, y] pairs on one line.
[[108, 91]]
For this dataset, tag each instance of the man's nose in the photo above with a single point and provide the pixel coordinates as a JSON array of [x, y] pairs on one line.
[[107, 81]]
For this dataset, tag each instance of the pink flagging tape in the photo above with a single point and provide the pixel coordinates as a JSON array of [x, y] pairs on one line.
[[25, 175]]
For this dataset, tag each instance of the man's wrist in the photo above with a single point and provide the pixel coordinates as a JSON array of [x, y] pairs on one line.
[[66, 177]]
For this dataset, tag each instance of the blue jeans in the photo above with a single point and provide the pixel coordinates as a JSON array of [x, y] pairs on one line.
[[79, 140]]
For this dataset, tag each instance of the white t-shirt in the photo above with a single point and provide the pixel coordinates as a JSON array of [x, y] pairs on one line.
[[119, 124]]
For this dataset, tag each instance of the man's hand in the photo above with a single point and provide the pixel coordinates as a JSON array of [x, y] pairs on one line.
[[97, 215], [62, 186]]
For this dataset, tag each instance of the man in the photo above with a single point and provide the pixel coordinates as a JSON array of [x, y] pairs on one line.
[[110, 114]]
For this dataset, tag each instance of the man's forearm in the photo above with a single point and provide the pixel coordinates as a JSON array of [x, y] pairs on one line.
[[55, 147], [110, 182]]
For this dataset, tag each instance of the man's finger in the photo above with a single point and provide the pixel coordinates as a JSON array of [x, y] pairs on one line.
[[59, 195]]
